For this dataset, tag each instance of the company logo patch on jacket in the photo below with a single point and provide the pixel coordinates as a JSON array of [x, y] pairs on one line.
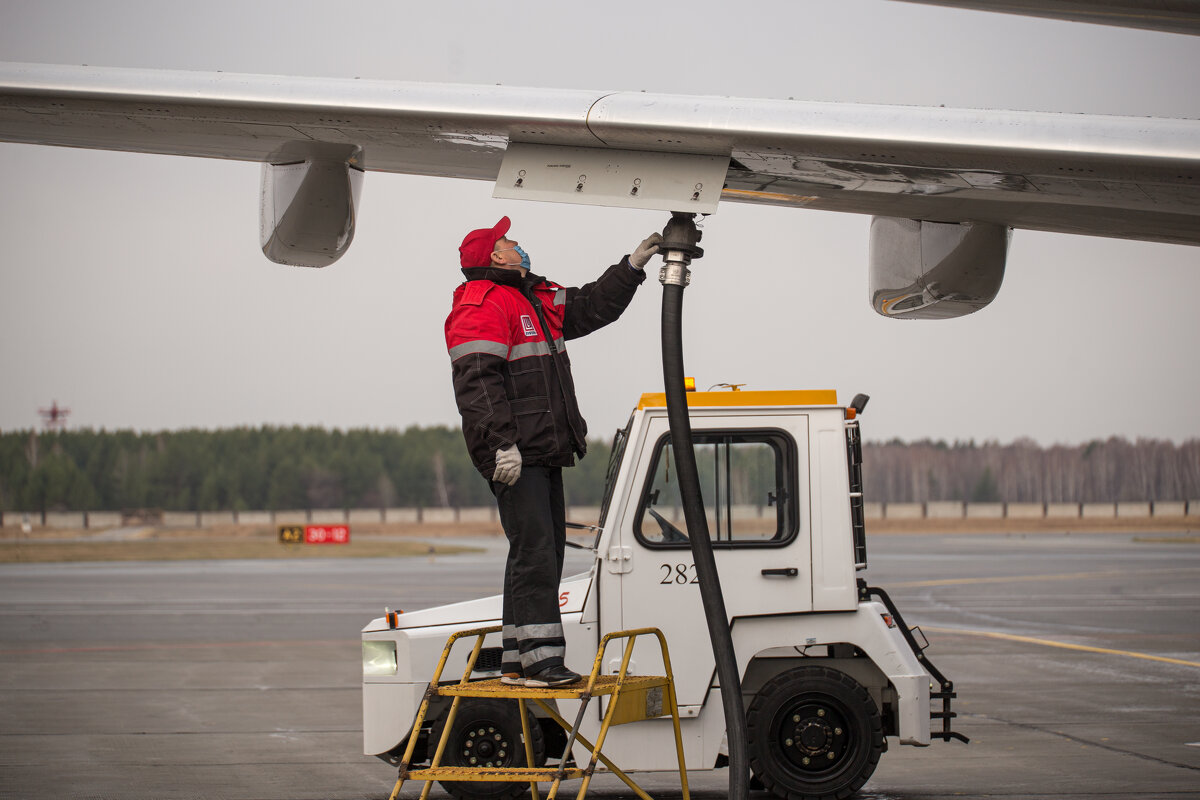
[[527, 325]]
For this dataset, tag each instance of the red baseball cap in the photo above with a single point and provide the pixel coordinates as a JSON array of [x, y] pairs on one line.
[[477, 246]]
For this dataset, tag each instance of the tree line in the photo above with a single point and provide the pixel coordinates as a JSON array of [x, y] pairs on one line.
[[249, 469], [1113, 470], [295, 468]]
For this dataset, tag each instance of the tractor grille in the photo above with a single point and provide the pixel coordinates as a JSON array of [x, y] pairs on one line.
[[489, 659]]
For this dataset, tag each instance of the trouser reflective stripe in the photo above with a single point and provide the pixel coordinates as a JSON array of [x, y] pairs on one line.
[[537, 658], [538, 631], [533, 514], [510, 658]]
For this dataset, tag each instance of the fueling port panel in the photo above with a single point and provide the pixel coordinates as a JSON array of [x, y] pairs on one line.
[[622, 178]]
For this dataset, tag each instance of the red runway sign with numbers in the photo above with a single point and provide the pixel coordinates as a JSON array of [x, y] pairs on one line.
[[326, 534], [314, 534]]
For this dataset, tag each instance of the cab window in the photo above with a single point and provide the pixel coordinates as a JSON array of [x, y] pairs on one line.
[[620, 439], [747, 480]]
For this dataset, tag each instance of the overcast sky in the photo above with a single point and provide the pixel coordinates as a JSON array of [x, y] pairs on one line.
[[133, 290]]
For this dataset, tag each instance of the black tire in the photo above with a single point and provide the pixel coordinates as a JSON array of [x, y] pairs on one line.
[[813, 733], [500, 745]]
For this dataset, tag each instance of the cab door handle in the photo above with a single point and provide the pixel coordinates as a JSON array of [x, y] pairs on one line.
[[785, 572]]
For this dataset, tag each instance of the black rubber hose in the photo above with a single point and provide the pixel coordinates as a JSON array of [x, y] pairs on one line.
[[702, 553]]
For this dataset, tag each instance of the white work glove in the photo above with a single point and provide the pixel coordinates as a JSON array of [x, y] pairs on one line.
[[508, 465], [640, 257]]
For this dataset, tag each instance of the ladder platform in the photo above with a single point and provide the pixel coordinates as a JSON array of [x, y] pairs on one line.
[[604, 684], [510, 774], [632, 698]]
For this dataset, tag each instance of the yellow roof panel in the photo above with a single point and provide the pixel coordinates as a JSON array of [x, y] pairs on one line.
[[798, 397]]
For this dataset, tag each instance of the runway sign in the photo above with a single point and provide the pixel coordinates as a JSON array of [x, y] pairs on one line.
[[291, 534], [314, 534], [327, 534]]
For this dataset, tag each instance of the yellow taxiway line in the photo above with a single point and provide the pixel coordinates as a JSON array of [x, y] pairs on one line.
[[1012, 637], [1064, 576]]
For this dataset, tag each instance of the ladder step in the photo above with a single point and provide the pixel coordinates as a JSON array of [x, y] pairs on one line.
[[507, 774], [605, 684]]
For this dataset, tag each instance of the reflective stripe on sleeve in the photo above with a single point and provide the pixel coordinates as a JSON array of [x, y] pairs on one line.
[[478, 346]]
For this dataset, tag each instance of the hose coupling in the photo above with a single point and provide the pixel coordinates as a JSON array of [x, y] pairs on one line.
[[681, 238], [674, 273]]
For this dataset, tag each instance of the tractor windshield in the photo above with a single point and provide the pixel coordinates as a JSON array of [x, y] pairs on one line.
[[614, 467]]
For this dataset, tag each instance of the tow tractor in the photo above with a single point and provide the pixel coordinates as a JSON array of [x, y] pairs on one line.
[[829, 670]]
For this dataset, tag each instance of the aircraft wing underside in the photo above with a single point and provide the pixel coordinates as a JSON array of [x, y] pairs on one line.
[[1170, 16], [945, 186], [1125, 177]]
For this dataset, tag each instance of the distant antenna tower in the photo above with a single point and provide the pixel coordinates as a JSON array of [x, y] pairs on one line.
[[54, 418]]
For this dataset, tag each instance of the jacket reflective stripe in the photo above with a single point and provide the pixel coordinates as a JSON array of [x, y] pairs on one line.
[[480, 346], [534, 349], [502, 350], [529, 349]]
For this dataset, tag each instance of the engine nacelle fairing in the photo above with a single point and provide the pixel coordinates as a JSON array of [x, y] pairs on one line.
[[308, 210], [935, 270]]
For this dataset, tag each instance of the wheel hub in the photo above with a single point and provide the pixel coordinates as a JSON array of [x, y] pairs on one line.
[[813, 736], [485, 746]]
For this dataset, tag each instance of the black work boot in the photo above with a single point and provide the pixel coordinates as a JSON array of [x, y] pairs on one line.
[[557, 675]]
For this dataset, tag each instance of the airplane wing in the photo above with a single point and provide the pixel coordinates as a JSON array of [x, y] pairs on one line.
[[1170, 16], [955, 180]]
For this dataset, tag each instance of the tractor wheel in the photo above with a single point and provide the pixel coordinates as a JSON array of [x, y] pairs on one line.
[[486, 733], [813, 733]]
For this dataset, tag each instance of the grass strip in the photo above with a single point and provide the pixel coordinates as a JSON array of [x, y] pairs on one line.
[[209, 548]]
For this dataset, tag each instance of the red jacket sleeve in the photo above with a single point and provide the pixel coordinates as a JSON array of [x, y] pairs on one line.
[[477, 336]]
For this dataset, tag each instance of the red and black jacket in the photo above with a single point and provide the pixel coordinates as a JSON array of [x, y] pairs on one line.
[[512, 377]]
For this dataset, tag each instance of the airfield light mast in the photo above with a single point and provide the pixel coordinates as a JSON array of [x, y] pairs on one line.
[[54, 418]]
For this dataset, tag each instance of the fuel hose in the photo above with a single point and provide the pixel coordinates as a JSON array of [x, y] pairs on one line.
[[680, 238]]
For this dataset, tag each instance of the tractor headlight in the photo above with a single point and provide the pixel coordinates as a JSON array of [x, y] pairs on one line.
[[379, 657]]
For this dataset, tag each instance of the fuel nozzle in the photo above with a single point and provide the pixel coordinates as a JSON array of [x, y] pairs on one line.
[[679, 246]]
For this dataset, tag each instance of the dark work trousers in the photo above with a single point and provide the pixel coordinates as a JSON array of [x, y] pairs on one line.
[[533, 514]]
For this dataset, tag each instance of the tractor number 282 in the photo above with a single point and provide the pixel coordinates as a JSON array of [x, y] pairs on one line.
[[678, 574]]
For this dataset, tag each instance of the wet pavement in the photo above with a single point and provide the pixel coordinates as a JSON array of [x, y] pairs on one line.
[[1076, 658]]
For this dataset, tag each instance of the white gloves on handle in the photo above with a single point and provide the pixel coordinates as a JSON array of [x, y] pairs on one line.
[[508, 465], [640, 257]]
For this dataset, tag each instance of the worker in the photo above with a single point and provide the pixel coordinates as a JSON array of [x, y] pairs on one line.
[[506, 335]]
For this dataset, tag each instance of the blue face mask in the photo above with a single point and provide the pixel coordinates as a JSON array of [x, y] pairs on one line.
[[524, 256]]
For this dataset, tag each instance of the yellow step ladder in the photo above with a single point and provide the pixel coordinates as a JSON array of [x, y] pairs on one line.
[[632, 698]]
